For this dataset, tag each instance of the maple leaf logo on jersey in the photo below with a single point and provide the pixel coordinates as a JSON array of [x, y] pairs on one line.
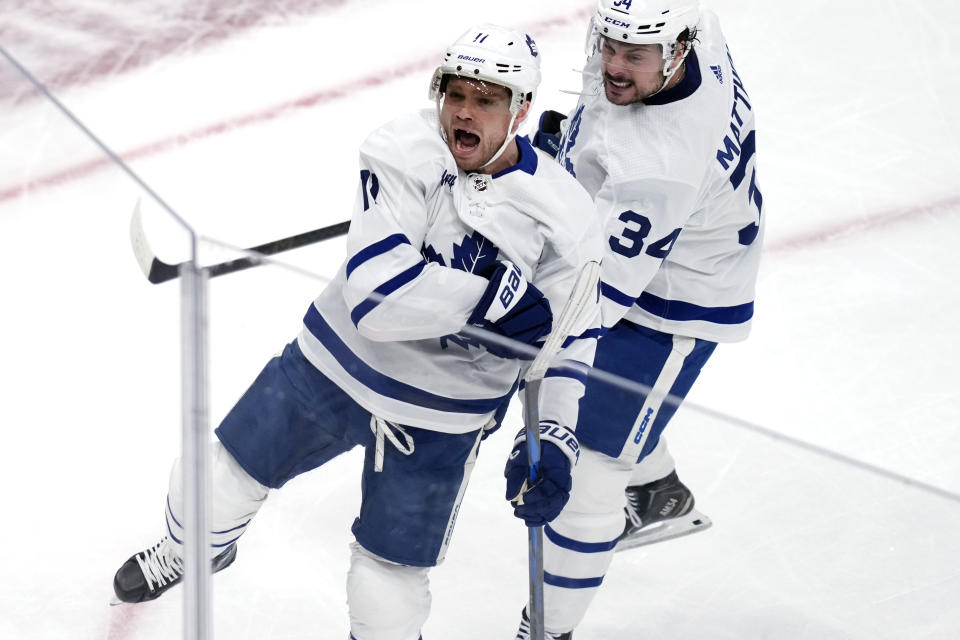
[[474, 254], [430, 255]]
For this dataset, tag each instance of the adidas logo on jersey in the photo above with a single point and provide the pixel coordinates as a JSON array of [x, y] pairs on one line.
[[717, 71]]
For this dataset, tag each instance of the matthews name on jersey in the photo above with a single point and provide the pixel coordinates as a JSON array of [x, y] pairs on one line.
[[674, 179], [386, 328]]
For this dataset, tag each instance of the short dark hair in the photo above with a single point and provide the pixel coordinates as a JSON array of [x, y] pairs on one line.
[[687, 37]]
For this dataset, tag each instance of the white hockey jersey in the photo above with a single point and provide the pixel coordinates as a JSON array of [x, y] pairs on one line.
[[675, 183], [420, 231]]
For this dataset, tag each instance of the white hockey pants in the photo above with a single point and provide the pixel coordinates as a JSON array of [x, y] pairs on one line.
[[579, 544]]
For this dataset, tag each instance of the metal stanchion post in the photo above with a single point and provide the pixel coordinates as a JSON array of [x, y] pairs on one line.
[[196, 474]]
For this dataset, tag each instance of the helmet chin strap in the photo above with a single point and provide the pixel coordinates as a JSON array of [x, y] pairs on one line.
[[439, 105], [506, 141], [668, 73], [663, 85]]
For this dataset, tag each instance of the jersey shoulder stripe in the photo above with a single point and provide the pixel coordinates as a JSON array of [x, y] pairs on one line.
[[377, 248], [384, 290]]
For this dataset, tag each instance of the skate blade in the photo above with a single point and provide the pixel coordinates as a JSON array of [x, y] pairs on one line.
[[114, 601], [693, 522]]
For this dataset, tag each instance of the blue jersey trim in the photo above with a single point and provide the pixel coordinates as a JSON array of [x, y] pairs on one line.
[[687, 311], [616, 295], [576, 545], [679, 310], [589, 334], [683, 89], [384, 290], [377, 248], [571, 583], [385, 385], [527, 161]]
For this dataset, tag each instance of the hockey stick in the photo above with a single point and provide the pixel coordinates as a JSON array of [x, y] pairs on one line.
[[158, 271], [583, 290]]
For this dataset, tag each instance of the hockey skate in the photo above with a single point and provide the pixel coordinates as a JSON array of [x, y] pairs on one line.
[[658, 511], [523, 633], [148, 574]]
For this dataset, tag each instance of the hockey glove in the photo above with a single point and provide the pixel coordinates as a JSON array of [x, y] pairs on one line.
[[541, 502], [548, 136], [513, 308]]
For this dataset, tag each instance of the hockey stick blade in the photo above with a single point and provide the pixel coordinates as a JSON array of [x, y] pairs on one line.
[[693, 522], [152, 268], [158, 271]]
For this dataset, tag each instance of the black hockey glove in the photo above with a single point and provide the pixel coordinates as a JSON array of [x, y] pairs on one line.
[[547, 136], [541, 502], [513, 308]]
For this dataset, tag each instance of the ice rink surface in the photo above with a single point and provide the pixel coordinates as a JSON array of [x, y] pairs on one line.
[[245, 118]]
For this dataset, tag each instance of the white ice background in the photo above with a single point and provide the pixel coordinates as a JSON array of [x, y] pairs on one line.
[[254, 137]]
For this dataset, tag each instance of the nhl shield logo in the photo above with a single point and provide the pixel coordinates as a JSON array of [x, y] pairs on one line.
[[479, 183]]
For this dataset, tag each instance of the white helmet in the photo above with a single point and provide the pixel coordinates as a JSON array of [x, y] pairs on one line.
[[646, 22], [494, 54]]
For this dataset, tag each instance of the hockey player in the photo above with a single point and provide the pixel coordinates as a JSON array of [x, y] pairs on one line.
[[663, 139], [457, 224]]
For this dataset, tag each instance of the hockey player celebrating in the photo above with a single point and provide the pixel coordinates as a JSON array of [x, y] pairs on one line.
[[456, 224], [663, 139]]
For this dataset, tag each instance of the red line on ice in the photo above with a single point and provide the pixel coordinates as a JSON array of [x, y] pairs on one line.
[[271, 113], [100, 44], [264, 115], [870, 221]]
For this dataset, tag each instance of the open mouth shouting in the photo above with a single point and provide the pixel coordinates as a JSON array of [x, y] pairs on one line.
[[465, 142]]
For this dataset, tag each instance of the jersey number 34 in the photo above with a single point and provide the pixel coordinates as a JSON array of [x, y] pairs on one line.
[[635, 231]]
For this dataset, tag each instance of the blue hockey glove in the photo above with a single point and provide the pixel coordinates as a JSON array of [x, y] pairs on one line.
[[513, 308], [540, 503], [547, 136]]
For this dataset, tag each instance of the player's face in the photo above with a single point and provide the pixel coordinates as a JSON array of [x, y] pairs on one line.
[[631, 72], [475, 116]]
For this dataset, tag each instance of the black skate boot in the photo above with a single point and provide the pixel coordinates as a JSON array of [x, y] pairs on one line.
[[655, 501], [523, 633], [659, 510], [148, 574]]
